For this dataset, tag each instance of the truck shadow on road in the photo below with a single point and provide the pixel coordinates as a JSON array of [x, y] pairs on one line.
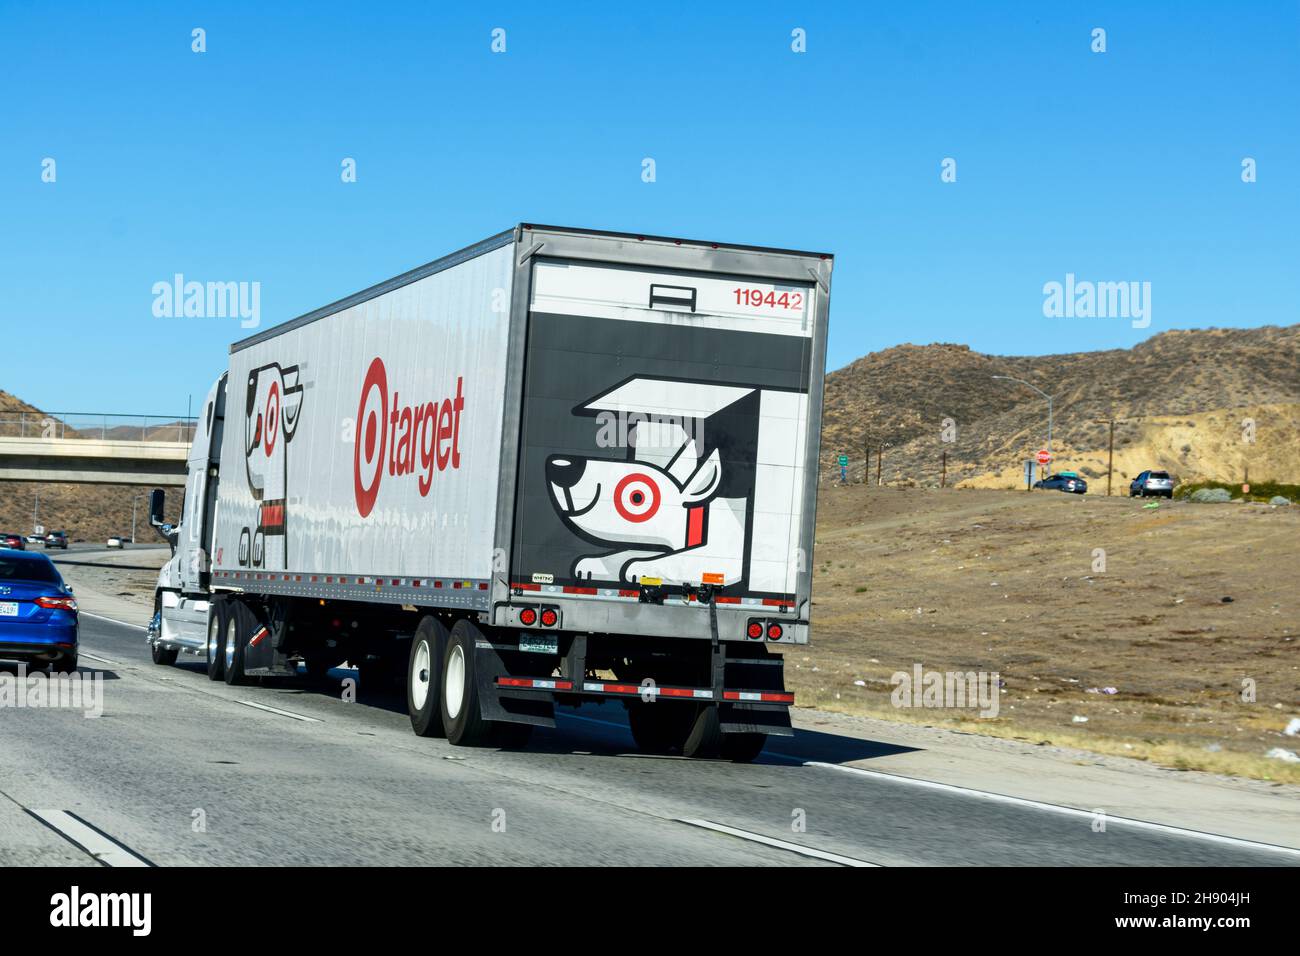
[[599, 729]]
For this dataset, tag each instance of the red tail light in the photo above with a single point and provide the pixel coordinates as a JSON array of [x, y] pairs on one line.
[[549, 617], [528, 617], [57, 603], [755, 630], [774, 632]]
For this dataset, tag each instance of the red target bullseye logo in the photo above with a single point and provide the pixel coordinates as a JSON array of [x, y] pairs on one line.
[[271, 419], [371, 441], [636, 497]]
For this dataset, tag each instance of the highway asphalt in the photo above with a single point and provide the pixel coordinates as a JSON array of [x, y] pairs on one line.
[[183, 771]]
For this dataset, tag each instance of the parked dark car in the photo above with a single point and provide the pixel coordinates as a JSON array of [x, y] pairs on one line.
[[1159, 483], [1066, 481], [38, 615], [57, 539], [14, 541]]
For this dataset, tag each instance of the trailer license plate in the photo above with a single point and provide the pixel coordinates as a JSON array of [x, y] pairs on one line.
[[8, 608], [539, 643]]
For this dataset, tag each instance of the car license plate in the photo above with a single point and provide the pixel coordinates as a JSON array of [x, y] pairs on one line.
[[539, 643], [8, 608]]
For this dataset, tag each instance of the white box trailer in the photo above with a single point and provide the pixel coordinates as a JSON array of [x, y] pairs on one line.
[[558, 465]]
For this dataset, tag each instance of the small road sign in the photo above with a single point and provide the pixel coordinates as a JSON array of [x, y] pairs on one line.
[[844, 461], [1043, 456]]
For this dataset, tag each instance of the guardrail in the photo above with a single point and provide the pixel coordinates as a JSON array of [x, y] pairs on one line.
[[99, 427]]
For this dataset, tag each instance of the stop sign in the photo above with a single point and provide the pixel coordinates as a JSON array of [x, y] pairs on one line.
[[1043, 456]]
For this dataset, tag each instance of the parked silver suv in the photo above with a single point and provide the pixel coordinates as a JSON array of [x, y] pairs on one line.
[[1158, 483]]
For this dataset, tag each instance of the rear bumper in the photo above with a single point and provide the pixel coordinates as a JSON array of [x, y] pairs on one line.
[[60, 643], [515, 687]]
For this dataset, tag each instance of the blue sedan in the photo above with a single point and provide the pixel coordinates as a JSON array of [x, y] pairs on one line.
[[38, 616]]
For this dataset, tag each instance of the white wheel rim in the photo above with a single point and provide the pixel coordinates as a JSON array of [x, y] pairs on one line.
[[231, 637], [420, 676], [454, 687], [214, 638]]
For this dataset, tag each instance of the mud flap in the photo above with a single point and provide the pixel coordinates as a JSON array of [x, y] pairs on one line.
[[263, 656], [753, 668], [755, 719], [501, 704]]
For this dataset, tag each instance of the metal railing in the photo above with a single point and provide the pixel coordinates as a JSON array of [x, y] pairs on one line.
[[96, 426]]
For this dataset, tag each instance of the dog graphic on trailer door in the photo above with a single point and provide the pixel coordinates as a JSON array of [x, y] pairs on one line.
[[272, 403], [667, 509]]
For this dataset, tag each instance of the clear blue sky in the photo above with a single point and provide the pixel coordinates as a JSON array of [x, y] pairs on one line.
[[225, 165]]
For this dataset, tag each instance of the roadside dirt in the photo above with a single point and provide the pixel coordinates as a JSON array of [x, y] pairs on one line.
[[1195, 602]]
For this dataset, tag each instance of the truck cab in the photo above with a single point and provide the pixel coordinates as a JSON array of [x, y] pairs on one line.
[[182, 594]]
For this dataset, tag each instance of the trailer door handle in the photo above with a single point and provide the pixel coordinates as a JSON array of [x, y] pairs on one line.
[[672, 296]]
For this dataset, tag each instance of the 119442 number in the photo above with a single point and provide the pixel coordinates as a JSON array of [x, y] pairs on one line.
[[770, 298]]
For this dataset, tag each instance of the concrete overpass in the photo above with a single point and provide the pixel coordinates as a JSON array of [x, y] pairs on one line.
[[90, 461], [109, 450]]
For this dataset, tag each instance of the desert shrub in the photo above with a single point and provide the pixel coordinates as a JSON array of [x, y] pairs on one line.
[[1259, 490]]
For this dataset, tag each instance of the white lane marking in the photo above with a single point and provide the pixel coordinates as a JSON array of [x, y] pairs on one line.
[[1057, 808], [113, 620], [779, 844], [99, 845], [96, 657], [277, 710]]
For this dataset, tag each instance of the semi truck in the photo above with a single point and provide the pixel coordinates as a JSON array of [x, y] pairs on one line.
[[557, 467]]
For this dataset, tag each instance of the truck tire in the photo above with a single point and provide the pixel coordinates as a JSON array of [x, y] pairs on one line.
[[705, 737], [424, 678], [458, 701], [164, 656], [218, 612], [660, 727], [239, 628], [743, 748]]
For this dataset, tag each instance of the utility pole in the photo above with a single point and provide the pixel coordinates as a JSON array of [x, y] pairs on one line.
[[36, 512], [943, 476], [1110, 455], [880, 454]]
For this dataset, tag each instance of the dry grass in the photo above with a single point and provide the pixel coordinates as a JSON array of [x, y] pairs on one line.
[[1004, 581]]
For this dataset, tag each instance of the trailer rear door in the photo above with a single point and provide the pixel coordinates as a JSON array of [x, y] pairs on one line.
[[664, 431]]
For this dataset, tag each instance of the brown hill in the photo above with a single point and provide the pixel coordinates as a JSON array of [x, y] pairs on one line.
[[1161, 393]]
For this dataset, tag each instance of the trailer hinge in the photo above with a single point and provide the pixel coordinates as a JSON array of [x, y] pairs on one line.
[[530, 252], [821, 283]]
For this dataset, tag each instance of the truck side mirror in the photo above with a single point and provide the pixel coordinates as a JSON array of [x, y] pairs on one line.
[[157, 500]]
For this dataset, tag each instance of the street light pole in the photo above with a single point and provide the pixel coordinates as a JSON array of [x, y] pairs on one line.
[[1008, 378], [134, 500]]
